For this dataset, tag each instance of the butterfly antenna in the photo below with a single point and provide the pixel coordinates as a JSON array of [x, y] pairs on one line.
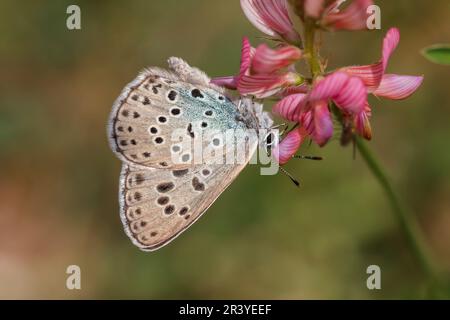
[[308, 157], [278, 126], [295, 181], [286, 127]]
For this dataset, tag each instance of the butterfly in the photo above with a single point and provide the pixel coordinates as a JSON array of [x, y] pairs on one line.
[[162, 190]]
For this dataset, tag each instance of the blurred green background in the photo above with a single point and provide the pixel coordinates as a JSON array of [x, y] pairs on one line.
[[263, 238]]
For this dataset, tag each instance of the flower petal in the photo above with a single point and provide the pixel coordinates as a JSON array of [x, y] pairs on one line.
[[318, 123], [271, 17], [354, 17], [284, 151], [362, 123], [328, 87], [371, 74], [398, 87], [390, 43], [267, 60], [254, 16], [263, 86], [227, 82], [289, 107], [247, 53], [349, 93], [323, 125], [353, 96]]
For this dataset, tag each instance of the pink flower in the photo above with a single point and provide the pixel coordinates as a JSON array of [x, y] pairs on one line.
[[390, 86], [353, 17], [311, 110], [262, 72], [272, 18], [317, 122], [268, 61], [378, 83]]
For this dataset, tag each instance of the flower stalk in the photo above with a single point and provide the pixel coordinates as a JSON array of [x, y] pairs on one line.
[[311, 52], [406, 221]]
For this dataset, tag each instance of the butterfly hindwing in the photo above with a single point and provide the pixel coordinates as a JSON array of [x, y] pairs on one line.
[[159, 204]]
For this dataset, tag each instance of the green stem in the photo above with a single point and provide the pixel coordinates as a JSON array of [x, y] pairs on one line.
[[310, 48], [407, 222]]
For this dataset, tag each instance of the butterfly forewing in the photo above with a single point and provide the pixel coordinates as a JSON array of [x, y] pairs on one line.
[[145, 118]]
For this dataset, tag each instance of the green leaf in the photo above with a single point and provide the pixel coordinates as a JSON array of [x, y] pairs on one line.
[[438, 53]]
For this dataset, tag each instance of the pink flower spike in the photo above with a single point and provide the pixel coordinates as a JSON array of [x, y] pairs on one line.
[[227, 82], [267, 60], [289, 107], [271, 17], [318, 123], [354, 17], [398, 87], [284, 151]]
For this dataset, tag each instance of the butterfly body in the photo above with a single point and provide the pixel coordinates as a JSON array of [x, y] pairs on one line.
[[163, 187]]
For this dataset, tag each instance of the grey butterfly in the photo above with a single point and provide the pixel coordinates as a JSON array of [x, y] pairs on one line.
[[159, 197]]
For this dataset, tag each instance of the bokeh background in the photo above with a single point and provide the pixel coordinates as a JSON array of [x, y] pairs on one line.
[[263, 238]]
